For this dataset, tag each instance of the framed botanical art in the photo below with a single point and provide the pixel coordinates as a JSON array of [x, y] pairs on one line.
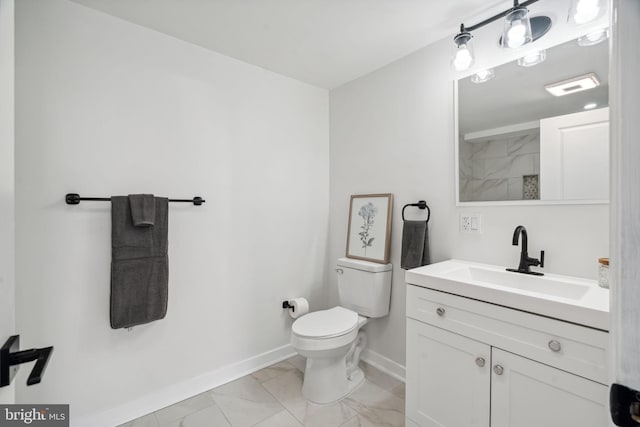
[[369, 232]]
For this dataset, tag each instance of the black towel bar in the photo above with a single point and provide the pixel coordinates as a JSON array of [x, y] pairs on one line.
[[420, 205], [74, 199]]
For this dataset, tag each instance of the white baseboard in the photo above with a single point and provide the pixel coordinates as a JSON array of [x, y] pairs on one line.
[[183, 390], [384, 364]]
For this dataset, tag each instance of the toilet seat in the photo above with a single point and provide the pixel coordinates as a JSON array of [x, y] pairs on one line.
[[325, 324]]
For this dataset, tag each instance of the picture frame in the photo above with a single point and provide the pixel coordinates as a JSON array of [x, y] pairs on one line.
[[369, 231]]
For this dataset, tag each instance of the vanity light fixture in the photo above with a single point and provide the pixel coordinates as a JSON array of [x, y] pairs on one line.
[[573, 85], [532, 58], [584, 11], [594, 38], [483, 75], [590, 106], [519, 30]]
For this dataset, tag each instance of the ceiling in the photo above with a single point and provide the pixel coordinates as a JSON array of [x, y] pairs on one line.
[[325, 43]]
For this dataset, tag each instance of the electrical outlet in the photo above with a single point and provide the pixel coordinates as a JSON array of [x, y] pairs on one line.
[[470, 223], [465, 223]]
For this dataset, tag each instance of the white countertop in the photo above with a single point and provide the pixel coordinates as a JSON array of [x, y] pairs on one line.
[[572, 299]]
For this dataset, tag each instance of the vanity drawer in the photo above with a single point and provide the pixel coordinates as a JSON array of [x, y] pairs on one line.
[[572, 348]]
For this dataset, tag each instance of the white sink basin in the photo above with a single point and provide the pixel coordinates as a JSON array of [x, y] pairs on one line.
[[567, 298]]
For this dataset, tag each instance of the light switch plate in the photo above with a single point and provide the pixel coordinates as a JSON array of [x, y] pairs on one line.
[[470, 223]]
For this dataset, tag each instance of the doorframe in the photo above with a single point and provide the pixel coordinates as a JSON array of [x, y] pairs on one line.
[[7, 188], [625, 193]]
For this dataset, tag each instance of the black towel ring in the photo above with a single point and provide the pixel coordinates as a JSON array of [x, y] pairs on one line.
[[420, 205]]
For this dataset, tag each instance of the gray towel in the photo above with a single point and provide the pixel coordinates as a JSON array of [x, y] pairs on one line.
[[415, 244], [143, 209], [139, 265]]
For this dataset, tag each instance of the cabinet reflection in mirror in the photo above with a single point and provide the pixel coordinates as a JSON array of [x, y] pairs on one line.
[[537, 133]]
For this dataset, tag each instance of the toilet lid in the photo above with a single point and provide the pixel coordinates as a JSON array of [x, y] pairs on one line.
[[326, 323]]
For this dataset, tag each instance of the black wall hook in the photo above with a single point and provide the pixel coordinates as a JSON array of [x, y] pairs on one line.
[[10, 358], [420, 205]]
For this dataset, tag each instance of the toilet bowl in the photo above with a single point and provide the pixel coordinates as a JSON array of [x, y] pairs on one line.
[[331, 341]]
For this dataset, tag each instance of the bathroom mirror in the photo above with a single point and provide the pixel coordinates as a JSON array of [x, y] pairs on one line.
[[519, 144]]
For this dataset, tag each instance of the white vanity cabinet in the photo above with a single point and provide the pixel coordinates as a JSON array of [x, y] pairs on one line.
[[476, 364], [528, 393], [448, 378]]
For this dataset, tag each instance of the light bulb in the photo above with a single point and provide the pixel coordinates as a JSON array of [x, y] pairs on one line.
[[586, 6], [463, 58], [590, 106], [517, 28], [586, 11], [516, 35]]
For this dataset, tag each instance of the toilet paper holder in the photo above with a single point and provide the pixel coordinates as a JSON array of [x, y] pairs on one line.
[[287, 306], [296, 307]]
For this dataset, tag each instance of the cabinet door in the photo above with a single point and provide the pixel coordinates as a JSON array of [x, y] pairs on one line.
[[525, 393], [448, 378]]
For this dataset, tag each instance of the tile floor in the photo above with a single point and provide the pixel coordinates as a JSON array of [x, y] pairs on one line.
[[272, 397]]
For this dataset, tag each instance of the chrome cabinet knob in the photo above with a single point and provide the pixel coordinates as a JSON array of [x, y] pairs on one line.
[[339, 271], [480, 361], [499, 370], [440, 311], [555, 345]]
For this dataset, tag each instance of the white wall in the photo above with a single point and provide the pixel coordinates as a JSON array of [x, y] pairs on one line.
[[392, 131], [105, 107], [7, 221]]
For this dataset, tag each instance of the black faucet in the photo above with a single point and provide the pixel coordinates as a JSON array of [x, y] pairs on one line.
[[525, 261]]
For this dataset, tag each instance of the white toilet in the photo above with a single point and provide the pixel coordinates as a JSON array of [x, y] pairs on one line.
[[331, 340]]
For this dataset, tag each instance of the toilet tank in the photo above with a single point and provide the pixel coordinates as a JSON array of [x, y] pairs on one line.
[[364, 287]]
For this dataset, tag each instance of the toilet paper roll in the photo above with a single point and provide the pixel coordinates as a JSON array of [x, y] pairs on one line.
[[299, 306]]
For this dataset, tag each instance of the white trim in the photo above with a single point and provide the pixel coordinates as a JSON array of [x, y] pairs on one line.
[[625, 176], [456, 142], [7, 181], [532, 203], [384, 364], [503, 131], [183, 390]]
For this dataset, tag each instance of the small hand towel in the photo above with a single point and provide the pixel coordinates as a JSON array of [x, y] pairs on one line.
[[143, 209], [415, 244]]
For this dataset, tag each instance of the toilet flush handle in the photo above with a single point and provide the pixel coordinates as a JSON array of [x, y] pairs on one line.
[[339, 271]]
